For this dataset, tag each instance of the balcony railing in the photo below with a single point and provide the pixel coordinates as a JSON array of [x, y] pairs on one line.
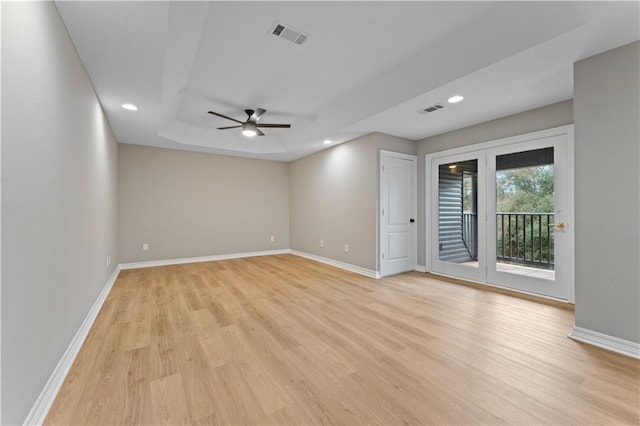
[[469, 233], [525, 238]]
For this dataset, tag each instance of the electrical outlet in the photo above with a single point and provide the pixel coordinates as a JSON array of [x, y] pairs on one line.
[[273, 238], [321, 243], [145, 246], [346, 248]]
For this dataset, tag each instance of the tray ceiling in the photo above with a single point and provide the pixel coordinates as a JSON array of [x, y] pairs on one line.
[[366, 66]]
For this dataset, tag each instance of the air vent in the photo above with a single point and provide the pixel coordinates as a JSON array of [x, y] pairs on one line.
[[432, 108], [289, 33]]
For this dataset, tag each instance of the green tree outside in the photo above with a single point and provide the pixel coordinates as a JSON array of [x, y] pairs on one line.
[[525, 190]]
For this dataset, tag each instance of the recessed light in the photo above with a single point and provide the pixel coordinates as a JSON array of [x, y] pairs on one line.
[[327, 142], [455, 99], [130, 107]]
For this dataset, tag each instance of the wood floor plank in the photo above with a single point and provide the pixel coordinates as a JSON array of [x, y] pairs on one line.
[[238, 403], [198, 378], [277, 340], [168, 402]]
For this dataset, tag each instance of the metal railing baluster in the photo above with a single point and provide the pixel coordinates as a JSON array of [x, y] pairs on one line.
[[521, 248]]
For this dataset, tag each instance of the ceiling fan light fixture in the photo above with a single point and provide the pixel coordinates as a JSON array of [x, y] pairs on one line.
[[249, 129]]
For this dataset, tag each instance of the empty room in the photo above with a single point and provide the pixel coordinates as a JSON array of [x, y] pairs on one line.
[[320, 212]]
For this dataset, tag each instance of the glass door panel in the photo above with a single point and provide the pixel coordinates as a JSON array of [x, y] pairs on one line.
[[456, 228], [457, 219], [525, 213]]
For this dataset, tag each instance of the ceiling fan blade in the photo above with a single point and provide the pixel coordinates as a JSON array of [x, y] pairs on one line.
[[276, 126], [259, 132], [255, 117], [224, 116], [229, 127]]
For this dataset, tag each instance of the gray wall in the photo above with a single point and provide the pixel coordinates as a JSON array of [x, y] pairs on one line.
[[187, 204], [59, 161], [607, 192], [547, 117], [334, 197]]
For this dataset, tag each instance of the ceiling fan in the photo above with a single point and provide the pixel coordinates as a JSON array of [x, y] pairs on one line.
[[250, 127]]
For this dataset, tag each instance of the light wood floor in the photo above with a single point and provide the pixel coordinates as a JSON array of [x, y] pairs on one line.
[[284, 340]]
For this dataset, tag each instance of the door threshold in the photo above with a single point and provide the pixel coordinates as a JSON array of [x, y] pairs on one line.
[[539, 298]]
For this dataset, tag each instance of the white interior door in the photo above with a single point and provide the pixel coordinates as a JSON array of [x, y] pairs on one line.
[[398, 195]]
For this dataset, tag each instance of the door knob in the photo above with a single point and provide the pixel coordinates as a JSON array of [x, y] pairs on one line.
[[560, 225]]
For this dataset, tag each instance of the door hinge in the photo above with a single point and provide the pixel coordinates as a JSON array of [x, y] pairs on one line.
[[383, 256], [382, 212], [383, 168]]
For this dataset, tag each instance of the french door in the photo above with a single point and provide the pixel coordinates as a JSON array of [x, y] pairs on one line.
[[501, 213]]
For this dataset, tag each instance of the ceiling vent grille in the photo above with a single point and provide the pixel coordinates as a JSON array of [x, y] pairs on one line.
[[432, 108], [289, 33]]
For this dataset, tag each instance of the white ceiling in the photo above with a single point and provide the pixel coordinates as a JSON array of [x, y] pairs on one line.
[[367, 66]]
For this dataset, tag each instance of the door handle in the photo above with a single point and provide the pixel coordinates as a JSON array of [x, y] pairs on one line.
[[412, 220], [560, 226]]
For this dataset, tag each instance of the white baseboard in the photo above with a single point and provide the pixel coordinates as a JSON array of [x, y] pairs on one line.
[[43, 404], [342, 265], [166, 262], [605, 341], [420, 268]]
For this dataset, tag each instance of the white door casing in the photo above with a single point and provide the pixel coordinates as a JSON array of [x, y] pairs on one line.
[[398, 204]]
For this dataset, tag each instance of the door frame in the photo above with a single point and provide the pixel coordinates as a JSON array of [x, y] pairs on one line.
[[567, 130], [413, 246]]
